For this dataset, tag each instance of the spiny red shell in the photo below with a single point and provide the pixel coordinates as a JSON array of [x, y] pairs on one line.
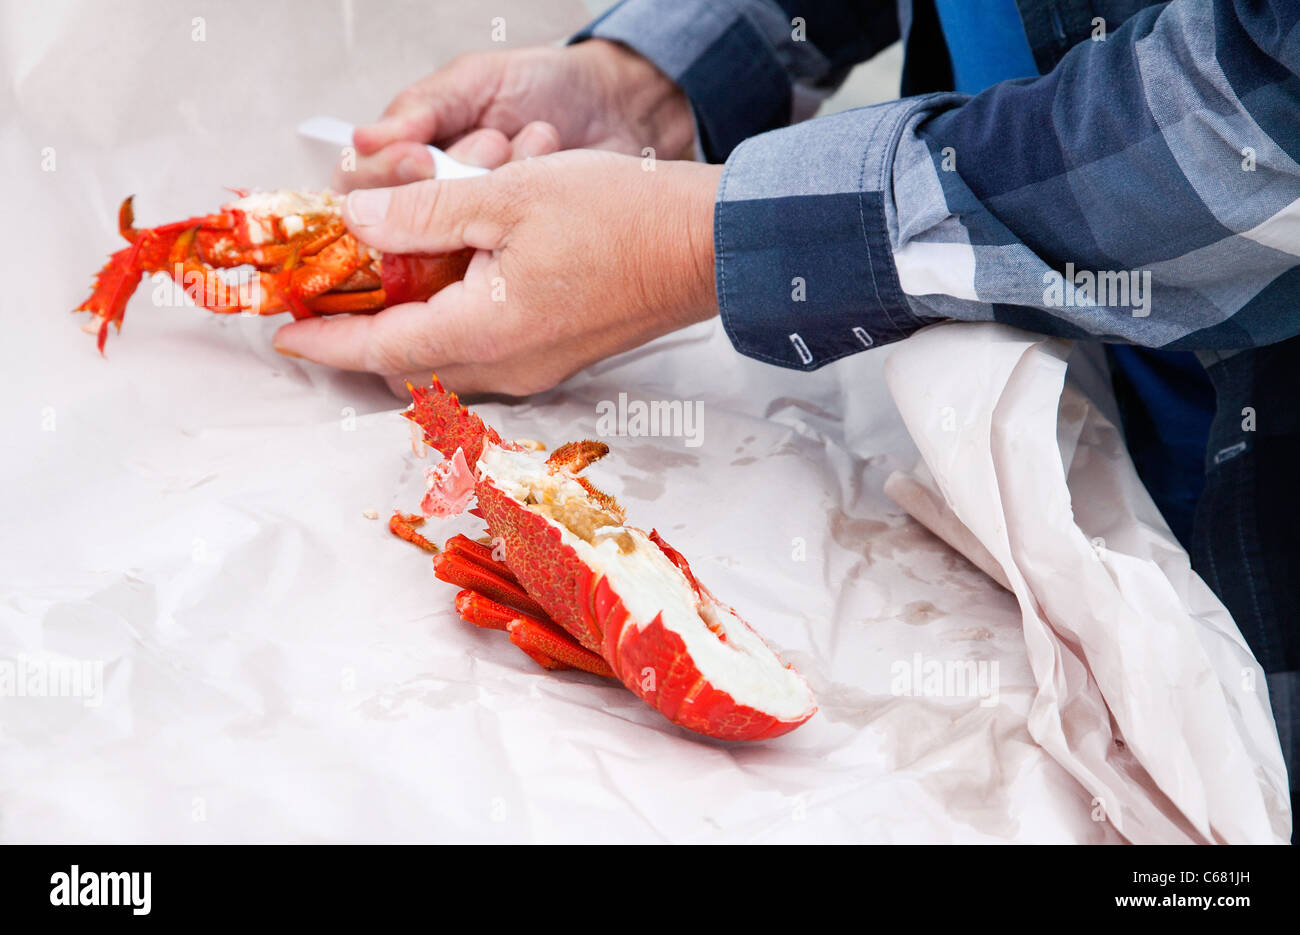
[[651, 661]]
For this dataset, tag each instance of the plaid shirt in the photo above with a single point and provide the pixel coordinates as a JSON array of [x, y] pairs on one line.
[[1144, 190]]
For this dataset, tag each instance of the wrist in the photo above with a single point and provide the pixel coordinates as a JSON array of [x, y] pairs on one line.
[[644, 94], [679, 276]]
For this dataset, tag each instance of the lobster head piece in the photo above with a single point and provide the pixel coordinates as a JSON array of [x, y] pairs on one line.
[[263, 254], [619, 592]]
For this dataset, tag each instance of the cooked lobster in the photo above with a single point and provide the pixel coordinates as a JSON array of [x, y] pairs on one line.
[[575, 586], [302, 257]]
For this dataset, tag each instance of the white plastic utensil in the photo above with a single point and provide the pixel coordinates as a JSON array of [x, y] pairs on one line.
[[330, 130]]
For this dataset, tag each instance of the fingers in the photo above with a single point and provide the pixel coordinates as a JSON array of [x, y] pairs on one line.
[[338, 341], [432, 216], [413, 338], [398, 164], [439, 106], [538, 138], [405, 162], [486, 148], [400, 339]]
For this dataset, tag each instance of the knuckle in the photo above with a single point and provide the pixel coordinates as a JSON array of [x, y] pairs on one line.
[[472, 64], [386, 359], [542, 131], [407, 99], [515, 176], [417, 206], [517, 184]]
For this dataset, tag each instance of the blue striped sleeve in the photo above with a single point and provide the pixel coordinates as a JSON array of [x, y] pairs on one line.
[[750, 65], [1145, 191], [803, 251]]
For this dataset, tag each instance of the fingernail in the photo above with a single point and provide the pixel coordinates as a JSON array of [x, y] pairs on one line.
[[367, 206], [286, 352]]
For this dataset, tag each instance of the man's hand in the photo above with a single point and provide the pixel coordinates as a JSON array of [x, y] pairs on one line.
[[488, 108], [580, 255]]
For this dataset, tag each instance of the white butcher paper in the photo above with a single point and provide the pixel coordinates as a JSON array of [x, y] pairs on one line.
[[1147, 692], [189, 517]]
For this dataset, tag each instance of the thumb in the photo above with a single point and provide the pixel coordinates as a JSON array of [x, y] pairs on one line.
[[431, 216]]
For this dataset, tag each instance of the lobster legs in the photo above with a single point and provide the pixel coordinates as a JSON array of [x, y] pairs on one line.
[[302, 279], [492, 598], [614, 590]]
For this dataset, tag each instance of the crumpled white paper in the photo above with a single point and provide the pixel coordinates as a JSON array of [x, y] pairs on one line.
[[277, 666], [187, 518], [1147, 692]]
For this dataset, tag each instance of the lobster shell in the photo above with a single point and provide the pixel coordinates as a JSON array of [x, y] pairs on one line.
[[647, 656]]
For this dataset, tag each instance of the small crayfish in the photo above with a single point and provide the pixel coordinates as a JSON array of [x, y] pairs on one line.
[[295, 247]]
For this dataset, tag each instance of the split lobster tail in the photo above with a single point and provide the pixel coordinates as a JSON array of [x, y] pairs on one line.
[[576, 586]]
